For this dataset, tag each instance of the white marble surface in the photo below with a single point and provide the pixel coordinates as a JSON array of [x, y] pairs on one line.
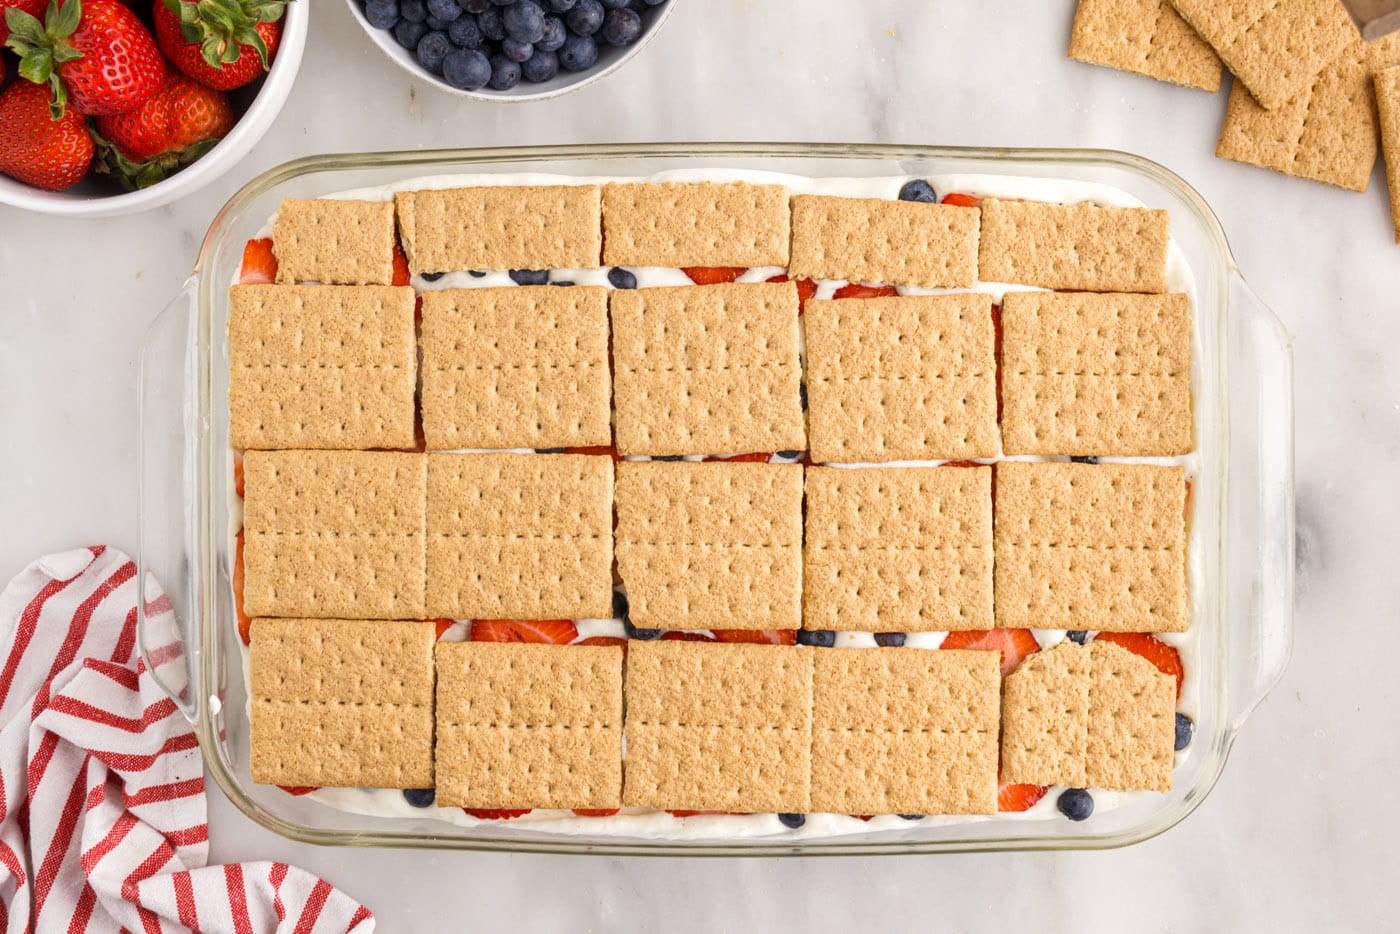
[[1297, 834]]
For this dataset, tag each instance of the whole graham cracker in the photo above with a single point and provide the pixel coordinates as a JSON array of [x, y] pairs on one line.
[[711, 369], [519, 536], [341, 703], [334, 242], [710, 546], [501, 227], [1092, 716], [1275, 48], [529, 726], [695, 224], [314, 366], [1387, 84], [1082, 546], [898, 549], [1083, 247], [905, 731], [1145, 37], [718, 727], [516, 367], [880, 241], [909, 378], [1086, 373], [334, 534]]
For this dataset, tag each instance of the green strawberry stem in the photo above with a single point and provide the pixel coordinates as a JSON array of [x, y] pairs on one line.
[[133, 175], [42, 47], [223, 27]]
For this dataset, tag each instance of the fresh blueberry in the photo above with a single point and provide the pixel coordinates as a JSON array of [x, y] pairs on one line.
[[620, 609], [464, 33], [502, 2], [792, 820], [802, 395], [489, 22], [445, 10], [564, 282], [474, 6], [1075, 803], [477, 273], [579, 53], [622, 278], [431, 276], [669, 457], [432, 49], [825, 638], [436, 25], [614, 4], [407, 32], [466, 69], [889, 640], [529, 276], [415, 11], [586, 18], [516, 50], [382, 14], [1184, 731], [505, 74], [555, 32], [653, 2], [1083, 460], [1079, 636], [643, 635], [561, 451], [561, 6], [541, 66], [420, 797], [912, 816], [620, 27], [524, 21], [918, 190], [789, 455]]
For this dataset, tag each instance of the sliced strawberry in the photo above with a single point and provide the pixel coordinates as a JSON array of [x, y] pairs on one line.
[[996, 353], [546, 631], [299, 790], [1164, 656], [496, 813], [244, 623], [400, 267], [259, 263], [710, 275], [694, 813], [806, 289], [596, 812], [1014, 644], [238, 473], [961, 464], [856, 290], [759, 636], [1019, 797], [443, 625], [864, 817], [604, 640], [758, 457], [1188, 502], [675, 635], [597, 450], [958, 199]]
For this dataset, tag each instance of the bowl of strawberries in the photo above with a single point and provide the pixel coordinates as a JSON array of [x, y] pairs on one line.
[[114, 106]]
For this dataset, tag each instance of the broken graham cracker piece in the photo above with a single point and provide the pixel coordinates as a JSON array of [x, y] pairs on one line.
[[334, 534], [679, 224], [1091, 546], [519, 536], [341, 703], [501, 227], [334, 242], [707, 369], [898, 549], [1388, 103], [321, 366], [718, 727], [905, 731], [1088, 374], [908, 378], [1081, 247], [529, 726], [879, 241], [516, 367], [710, 546], [1093, 716], [1145, 37]]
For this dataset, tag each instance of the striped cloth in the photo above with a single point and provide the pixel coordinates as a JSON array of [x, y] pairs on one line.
[[103, 825]]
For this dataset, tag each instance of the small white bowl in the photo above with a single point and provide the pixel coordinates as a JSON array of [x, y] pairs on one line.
[[95, 197], [610, 58]]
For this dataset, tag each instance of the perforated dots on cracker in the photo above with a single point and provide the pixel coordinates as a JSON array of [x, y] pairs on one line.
[[695, 224], [1083, 247], [334, 242], [1145, 37]]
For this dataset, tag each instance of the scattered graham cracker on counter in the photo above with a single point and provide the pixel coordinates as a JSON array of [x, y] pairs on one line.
[[1145, 37], [334, 242], [680, 224], [1387, 84]]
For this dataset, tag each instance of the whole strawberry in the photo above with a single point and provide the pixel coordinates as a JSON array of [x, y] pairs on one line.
[[32, 7], [174, 127], [221, 44], [34, 147], [94, 53]]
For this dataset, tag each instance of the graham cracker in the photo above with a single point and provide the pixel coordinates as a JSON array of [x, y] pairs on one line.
[[718, 727], [516, 367], [1084, 373], [909, 378], [898, 549], [501, 227], [529, 726], [1080, 247], [710, 546], [695, 224], [314, 366], [1145, 37], [334, 242], [1081, 546], [334, 534], [519, 536], [875, 240], [341, 703], [905, 731], [1388, 102], [1274, 47], [710, 369], [1089, 716]]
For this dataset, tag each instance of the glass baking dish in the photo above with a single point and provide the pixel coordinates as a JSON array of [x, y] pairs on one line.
[[1244, 491]]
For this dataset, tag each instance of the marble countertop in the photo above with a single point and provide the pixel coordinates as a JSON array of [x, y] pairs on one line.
[[1296, 834]]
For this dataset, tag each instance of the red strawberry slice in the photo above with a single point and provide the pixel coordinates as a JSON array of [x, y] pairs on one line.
[[694, 813], [299, 790], [674, 635], [596, 812], [604, 640], [996, 353], [546, 631], [1164, 656], [758, 636], [806, 289], [259, 263], [496, 813], [401, 274], [758, 457], [958, 199], [961, 464], [1014, 644], [856, 290], [443, 625], [1019, 797], [710, 275], [244, 623], [597, 450], [238, 473]]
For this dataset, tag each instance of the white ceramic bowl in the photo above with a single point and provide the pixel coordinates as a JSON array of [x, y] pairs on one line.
[[610, 58], [96, 197]]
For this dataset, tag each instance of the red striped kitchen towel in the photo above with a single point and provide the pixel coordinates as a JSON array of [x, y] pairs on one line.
[[103, 823]]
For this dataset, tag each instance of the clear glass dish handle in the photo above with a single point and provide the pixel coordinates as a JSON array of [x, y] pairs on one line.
[[1260, 517], [168, 446]]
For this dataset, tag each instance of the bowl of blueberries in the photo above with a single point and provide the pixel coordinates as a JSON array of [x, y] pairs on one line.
[[515, 50]]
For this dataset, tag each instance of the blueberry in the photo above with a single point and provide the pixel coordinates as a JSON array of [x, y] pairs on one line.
[[669, 457], [436, 25], [541, 66], [614, 4], [524, 21], [502, 2], [889, 640], [622, 278], [789, 455], [619, 605], [561, 6], [653, 2], [1184, 731], [432, 49], [515, 50], [420, 797], [467, 69], [505, 74], [415, 11], [912, 816], [579, 53], [644, 635], [825, 638], [477, 273], [561, 451], [1075, 803], [431, 276], [620, 27], [555, 33], [529, 276], [445, 10], [464, 33], [793, 820], [802, 395], [586, 18], [474, 6], [407, 32], [382, 14], [918, 190], [1083, 460], [1077, 635], [489, 22], [563, 282]]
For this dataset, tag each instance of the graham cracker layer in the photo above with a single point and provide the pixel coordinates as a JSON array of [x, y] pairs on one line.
[[334, 242], [695, 224], [1145, 37], [1388, 102], [516, 367], [875, 240], [909, 378], [1081, 247]]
